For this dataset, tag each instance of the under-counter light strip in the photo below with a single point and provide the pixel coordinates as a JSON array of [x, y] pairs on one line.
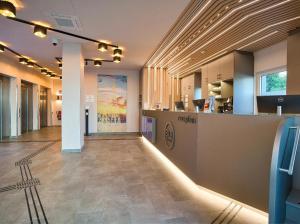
[[259, 31], [182, 30], [227, 29], [201, 192]]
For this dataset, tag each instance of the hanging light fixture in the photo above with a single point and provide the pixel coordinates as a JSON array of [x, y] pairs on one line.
[[60, 77], [44, 71], [49, 74], [60, 65], [117, 59], [2, 48], [118, 52], [23, 61], [97, 63], [40, 31], [7, 9], [30, 64], [102, 47]]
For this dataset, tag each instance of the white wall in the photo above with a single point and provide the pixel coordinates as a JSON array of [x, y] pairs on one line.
[[271, 57], [132, 97]]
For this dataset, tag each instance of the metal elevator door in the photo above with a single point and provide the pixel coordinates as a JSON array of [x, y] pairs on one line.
[[43, 108], [26, 107]]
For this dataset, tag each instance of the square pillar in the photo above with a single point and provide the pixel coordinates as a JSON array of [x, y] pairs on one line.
[[73, 98]]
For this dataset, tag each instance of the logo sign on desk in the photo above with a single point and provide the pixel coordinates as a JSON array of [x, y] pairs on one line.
[[169, 135]]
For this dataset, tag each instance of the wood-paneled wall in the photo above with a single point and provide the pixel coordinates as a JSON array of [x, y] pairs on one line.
[[159, 88]]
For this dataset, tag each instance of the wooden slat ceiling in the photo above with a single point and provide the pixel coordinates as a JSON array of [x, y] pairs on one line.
[[209, 29]]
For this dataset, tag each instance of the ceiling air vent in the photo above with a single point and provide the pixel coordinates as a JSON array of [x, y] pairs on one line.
[[66, 22]]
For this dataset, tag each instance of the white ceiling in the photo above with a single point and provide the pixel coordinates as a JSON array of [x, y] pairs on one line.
[[136, 25]]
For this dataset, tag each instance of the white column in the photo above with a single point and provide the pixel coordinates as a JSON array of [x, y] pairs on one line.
[[73, 98], [36, 106]]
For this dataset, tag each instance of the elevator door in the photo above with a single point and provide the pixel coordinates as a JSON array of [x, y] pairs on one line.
[[26, 107], [43, 107]]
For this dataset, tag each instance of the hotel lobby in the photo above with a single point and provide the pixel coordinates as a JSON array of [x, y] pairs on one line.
[[155, 112]]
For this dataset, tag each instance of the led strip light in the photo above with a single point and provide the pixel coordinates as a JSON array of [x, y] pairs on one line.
[[184, 28], [259, 31], [229, 28]]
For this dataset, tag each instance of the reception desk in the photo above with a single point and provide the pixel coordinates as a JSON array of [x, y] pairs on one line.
[[229, 154]]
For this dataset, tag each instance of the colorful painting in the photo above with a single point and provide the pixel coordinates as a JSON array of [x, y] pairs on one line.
[[112, 103]]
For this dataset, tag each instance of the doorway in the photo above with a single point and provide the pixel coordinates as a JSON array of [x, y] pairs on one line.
[[26, 107], [43, 107], [4, 107]]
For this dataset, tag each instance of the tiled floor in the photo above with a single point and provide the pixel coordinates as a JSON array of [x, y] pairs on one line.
[[114, 180]]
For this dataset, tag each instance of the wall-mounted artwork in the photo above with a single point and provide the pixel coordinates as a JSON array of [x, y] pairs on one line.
[[112, 103]]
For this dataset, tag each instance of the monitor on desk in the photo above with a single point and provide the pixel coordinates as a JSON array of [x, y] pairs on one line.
[[179, 106], [290, 104], [199, 104]]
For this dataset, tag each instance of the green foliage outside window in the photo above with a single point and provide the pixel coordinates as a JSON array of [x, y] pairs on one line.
[[276, 82]]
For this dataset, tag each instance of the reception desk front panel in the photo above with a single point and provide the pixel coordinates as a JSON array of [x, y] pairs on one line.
[[228, 154]]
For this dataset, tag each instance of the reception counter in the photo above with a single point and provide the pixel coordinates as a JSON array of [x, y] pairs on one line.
[[229, 154]]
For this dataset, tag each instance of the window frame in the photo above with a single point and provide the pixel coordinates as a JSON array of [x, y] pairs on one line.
[[262, 73]]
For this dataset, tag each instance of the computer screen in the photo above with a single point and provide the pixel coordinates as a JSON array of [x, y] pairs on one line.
[[199, 103], [179, 105], [290, 104]]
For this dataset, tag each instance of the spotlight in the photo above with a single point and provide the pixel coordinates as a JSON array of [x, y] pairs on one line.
[[52, 76], [40, 31], [23, 61], [49, 74], [30, 64], [102, 47], [7, 9], [60, 65], [2, 48], [97, 63], [117, 59], [60, 77], [117, 52], [44, 71]]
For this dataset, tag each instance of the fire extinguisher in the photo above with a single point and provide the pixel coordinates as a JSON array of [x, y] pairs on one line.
[[58, 115]]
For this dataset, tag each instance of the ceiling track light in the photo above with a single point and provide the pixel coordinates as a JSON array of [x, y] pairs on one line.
[[117, 59], [7, 9], [2, 48], [30, 64], [44, 71], [118, 52], [102, 47], [23, 61], [40, 31], [97, 63]]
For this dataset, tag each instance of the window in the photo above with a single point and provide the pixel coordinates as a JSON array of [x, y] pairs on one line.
[[273, 83]]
